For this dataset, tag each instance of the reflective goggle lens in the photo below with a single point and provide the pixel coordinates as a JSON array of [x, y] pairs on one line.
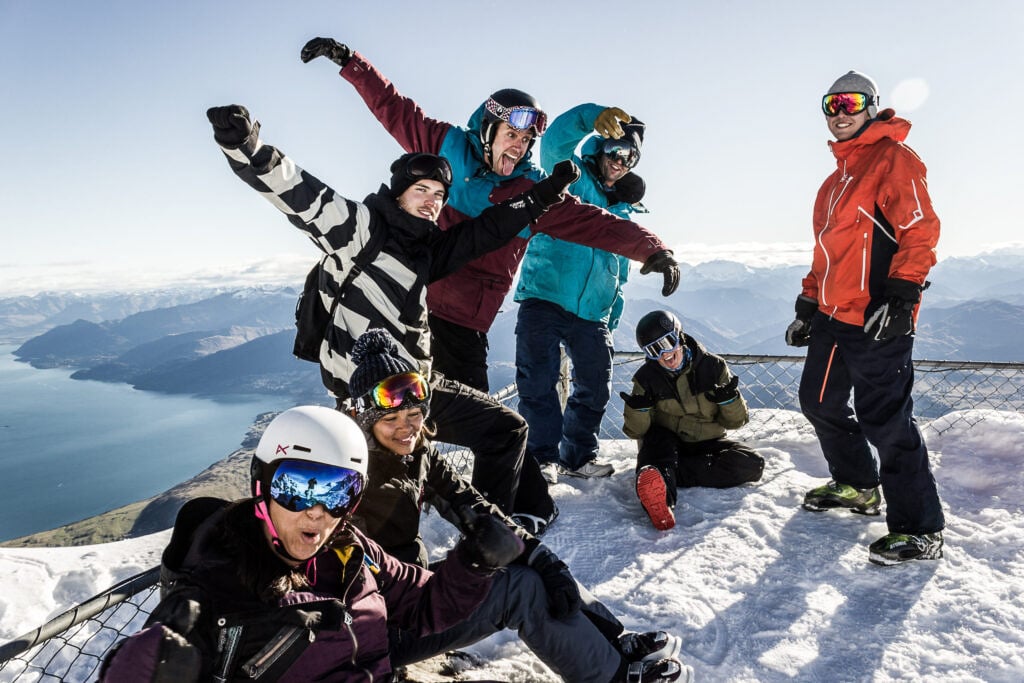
[[299, 485], [429, 166], [393, 392], [621, 151], [520, 118], [850, 102], [665, 344]]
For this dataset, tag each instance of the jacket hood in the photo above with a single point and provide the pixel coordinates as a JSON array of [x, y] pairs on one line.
[[885, 125]]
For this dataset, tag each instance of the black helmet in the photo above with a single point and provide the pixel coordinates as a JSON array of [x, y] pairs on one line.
[[654, 326], [516, 108]]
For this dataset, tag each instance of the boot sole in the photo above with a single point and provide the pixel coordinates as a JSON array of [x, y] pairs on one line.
[[650, 489], [873, 511]]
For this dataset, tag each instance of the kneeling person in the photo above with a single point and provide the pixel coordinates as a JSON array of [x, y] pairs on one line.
[[684, 400]]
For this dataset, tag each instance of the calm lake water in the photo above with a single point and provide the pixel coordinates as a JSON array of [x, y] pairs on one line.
[[72, 449]]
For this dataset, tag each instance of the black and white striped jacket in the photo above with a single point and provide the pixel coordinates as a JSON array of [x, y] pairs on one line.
[[390, 292]]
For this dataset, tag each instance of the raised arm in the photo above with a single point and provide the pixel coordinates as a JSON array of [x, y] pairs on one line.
[[400, 116], [331, 221]]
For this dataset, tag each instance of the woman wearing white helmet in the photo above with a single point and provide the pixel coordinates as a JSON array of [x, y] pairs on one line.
[[280, 587]]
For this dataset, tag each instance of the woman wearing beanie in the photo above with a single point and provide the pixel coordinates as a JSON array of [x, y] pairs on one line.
[[566, 627], [397, 225]]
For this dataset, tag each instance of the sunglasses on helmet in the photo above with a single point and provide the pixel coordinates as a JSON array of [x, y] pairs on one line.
[[429, 166], [299, 485], [622, 151], [519, 117], [850, 102], [665, 344]]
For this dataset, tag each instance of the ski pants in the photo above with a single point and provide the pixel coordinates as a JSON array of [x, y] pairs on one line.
[[841, 358], [715, 463], [542, 327], [459, 352], [496, 435], [574, 648]]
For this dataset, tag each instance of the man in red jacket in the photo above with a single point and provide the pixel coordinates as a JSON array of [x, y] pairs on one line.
[[874, 242]]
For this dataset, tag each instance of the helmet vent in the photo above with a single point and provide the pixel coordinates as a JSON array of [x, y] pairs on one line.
[[301, 448]]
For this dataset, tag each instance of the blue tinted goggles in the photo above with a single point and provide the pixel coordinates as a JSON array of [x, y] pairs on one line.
[[300, 485], [664, 344], [519, 117]]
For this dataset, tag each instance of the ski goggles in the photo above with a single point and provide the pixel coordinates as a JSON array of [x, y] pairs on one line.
[[664, 344], [398, 390], [519, 117], [429, 166], [621, 151], [299, 485], [850, 102]]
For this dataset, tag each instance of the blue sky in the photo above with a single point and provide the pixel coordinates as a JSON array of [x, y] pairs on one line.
[[112, 176]]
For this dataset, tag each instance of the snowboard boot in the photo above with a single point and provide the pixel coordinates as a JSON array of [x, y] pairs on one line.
[[836, 495], [534, 524], [895, 548], [659, 671], [652, 645], [650, 489]]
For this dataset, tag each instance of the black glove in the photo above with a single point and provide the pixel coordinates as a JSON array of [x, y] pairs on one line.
[[231, 125], [637, 401], [724, 393], [489, 543], [895, 317], [546, 193], [662, 262], [629, 189], [563, 594], [799, 331], [326, 47]]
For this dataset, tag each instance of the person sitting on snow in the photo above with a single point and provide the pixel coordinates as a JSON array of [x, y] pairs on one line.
[[559, 620], [684, 400]]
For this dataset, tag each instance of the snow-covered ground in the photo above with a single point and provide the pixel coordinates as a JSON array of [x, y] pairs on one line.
[[759, 589]]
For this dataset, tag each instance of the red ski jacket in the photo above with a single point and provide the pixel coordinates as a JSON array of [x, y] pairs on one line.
[[873, 220]]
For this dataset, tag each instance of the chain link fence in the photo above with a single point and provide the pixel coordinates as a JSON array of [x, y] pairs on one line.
[[71, 646]]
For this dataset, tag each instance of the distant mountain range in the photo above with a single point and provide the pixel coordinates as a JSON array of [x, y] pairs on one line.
[[212, 342]]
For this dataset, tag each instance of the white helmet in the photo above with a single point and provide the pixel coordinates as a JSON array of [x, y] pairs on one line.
[[316, 434], [308, 456]]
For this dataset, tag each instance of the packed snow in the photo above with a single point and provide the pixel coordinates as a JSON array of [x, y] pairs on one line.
[[759, 589]]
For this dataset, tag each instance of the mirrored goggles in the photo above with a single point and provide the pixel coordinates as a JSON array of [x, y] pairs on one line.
[[622, 151], [519, 117], [850, 102], [300, 485], [429, 166], [664, 344], [397, 390]]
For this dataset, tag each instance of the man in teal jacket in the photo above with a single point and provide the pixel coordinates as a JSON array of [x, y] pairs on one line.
[[571, 294]]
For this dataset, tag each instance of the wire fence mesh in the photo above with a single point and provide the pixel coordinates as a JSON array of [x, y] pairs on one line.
[[71, 646]]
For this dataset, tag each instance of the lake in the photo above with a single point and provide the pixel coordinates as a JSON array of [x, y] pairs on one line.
[[73, 449]]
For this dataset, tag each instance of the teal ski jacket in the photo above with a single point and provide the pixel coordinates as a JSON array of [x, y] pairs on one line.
[[585, 281]]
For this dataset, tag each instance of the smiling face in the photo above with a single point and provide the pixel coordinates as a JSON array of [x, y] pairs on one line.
[[612, 170], [398, 431], [424, 199], [844, 126], [672, 360], [301, 533], [509, 147]]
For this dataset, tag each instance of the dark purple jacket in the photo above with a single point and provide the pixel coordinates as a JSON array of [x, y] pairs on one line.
[[342, 600]]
